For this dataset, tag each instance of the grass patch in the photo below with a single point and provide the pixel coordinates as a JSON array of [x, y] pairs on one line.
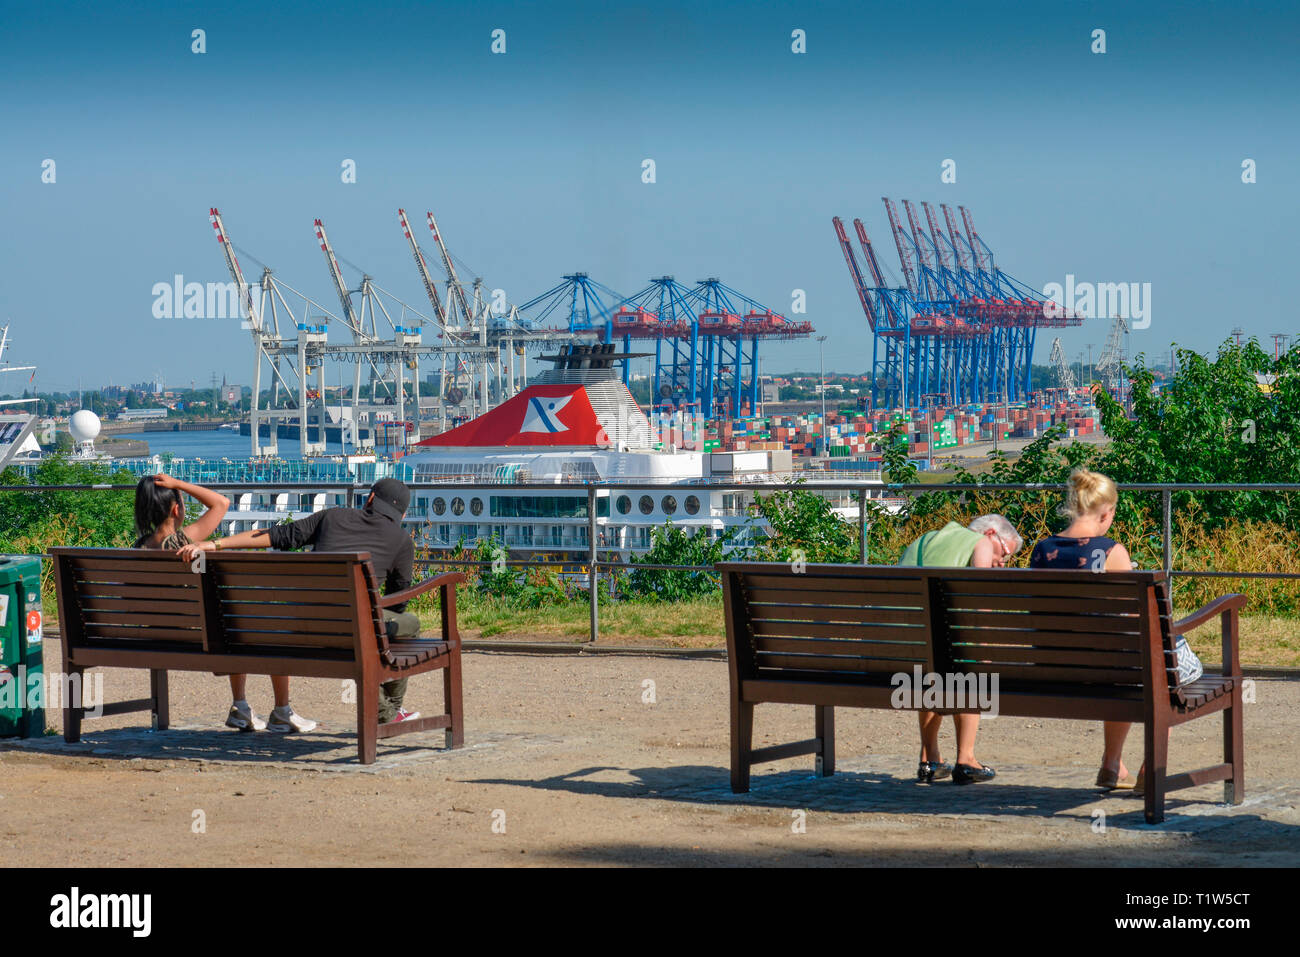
[[694, 623], [1264, 641]]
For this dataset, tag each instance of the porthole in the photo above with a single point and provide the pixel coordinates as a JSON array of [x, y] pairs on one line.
[[623, 504], [647, 504], [692, 504], [669, 504], [458, 506], [476, 506], [439, 506]]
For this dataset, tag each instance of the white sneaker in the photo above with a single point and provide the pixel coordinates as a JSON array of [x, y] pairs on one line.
[[244, 719], [285, 721]]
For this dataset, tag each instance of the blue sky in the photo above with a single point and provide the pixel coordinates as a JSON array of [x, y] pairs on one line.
[[1119, 167]]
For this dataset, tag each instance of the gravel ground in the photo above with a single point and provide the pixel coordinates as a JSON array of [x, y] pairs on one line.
[[568, 761]]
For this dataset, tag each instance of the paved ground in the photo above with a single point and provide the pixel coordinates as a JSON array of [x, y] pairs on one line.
[[568, 762]]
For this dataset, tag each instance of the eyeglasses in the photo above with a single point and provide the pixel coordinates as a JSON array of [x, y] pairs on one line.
[[1007, 550]]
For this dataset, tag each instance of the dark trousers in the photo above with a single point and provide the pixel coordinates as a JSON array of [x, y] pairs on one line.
[[391, 693]]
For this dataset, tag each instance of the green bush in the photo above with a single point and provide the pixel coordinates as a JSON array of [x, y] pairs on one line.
[[673, 545]]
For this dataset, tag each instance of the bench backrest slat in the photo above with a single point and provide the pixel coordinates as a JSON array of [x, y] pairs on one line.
[[252, 603], [1085, 629], [121, 597], [1034, 629], [260, 597], [816, 624]]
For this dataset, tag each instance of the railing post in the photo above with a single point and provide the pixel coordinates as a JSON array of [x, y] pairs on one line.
[[1166, 506], [593, 579], [862, 523]]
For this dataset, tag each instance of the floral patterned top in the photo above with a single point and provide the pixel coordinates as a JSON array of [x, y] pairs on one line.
[[1057, 551]]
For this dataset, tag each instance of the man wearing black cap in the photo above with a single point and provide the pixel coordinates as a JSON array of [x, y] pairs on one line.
[[375, 528]]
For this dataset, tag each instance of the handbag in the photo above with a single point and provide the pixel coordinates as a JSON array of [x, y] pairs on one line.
[[1188, 667]]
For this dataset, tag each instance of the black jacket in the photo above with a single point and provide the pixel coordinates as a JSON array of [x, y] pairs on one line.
[[355, 530]]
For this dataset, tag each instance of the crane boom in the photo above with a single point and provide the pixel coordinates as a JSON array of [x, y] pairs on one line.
[[902, 242], [936, 234], [345, 297], [925, 255], [983, 256], [859, 283], [232, 263], [869, 253], [959, 244], [455, 289], [430, 289]]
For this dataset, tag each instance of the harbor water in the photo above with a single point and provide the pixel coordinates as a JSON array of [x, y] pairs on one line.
[[215, 444]]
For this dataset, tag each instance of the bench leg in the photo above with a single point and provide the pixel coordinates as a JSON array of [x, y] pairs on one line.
[[73, 710], [452, 703], [742, 739], [367, 719], [825, 733], [1157, 757], [161, 706], [1234, 789]]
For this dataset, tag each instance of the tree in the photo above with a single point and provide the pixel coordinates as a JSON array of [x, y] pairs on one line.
[[1233, 419], [803, 527], [103, 518]]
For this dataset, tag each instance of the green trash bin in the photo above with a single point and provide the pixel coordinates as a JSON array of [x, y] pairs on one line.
[[22, 628]]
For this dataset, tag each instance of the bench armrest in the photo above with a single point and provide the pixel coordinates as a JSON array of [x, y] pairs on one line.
[[1227, 608], [1197, 618], [406, 594]]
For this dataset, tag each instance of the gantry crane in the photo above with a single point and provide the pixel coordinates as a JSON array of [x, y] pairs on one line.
[[1064, 374], [957, 328]]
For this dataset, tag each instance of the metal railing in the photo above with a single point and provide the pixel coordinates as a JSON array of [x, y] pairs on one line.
[[592, 565]]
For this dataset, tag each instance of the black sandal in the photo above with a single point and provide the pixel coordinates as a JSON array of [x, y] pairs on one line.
[[967, 774], [929, 771]]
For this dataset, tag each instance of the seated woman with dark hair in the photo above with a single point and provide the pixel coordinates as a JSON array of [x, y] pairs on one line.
[[1090, 502], [160, 522]]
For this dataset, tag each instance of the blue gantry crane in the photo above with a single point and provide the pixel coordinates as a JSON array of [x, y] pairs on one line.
[[706, 343], [957, 329], [665, 312], [729, 341], [582, 303]]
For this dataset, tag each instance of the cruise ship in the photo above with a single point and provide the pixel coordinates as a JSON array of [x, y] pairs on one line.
[[522, 473]]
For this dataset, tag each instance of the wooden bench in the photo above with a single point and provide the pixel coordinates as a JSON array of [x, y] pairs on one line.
[[311, 615], [1063, 644]]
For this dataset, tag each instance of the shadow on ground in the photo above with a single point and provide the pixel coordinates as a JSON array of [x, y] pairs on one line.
[[1058, 796], [323, 749]]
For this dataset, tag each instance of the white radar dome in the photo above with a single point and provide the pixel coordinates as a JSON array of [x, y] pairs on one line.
[[84, 425]]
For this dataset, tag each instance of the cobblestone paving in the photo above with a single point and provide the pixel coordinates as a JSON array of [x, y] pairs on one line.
[[1054, 795], [321, 750]]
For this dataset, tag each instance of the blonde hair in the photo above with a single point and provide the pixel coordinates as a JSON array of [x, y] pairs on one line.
[[1086, 492]]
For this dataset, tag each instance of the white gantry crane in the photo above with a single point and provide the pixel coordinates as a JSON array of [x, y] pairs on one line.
[[1064, 374], [448, 336], [466, 320], [471, 342], [301, 354], [1111, 364]]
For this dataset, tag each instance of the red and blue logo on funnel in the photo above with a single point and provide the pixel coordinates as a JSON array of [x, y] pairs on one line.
[[542, 414], [551, 414]]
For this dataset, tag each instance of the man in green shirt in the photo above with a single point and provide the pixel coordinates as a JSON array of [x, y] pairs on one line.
[[987, 543]]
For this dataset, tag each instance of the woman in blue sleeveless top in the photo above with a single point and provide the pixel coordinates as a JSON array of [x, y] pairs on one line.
[[1090, 505]]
